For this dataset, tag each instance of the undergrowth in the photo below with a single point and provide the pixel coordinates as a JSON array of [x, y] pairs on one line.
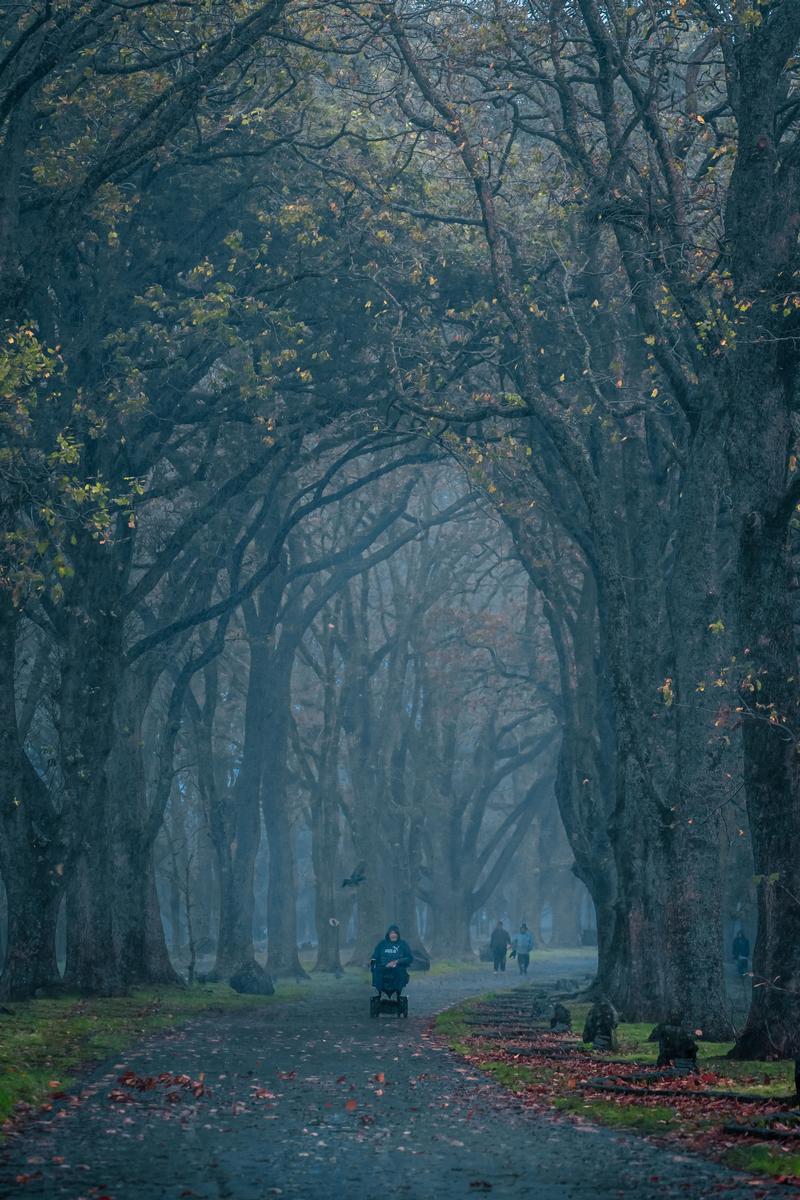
[[44, 1043]]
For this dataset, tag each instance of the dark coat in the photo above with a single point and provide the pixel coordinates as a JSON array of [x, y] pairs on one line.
[[741, 945], [499, 941], [387, 952]]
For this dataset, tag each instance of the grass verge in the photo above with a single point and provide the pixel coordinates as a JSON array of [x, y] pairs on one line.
[[446, 967], [764, 1159], [45, 1043], [655, 1119], [545, 1079]]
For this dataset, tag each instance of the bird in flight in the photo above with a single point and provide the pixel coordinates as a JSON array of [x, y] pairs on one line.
[[356, 877]]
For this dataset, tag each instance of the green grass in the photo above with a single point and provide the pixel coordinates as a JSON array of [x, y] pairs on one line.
[[568, 953], [46, 1042], [450, 1024], [763, 1160], [759, 1078], [454, 967], [642, 1118], [756, 1078], [515, 1076]]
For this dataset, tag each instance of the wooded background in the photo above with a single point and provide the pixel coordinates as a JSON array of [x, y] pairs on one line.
[[398, 441]]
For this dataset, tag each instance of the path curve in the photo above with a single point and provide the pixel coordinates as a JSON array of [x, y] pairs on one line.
[[313, 1099]]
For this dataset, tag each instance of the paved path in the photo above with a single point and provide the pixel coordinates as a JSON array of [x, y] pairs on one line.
[[314, 1099]]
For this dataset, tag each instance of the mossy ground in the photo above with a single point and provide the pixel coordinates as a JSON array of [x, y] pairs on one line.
[[763, 1159], [557, 1085], [760, 1078], [46, 1042], [654, 1120]]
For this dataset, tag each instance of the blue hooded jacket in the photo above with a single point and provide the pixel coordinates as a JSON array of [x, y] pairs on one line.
[[387, 952]]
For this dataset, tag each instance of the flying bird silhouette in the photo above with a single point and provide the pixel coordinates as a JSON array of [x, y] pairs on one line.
[[356, 877]]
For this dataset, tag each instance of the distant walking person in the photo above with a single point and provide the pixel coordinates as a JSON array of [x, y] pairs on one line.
[[521, 946], [499, 943], [741, 952]]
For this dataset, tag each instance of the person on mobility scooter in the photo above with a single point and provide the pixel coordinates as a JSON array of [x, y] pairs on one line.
[[389, 964]]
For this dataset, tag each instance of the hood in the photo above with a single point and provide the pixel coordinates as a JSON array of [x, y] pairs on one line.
[[392, 929]]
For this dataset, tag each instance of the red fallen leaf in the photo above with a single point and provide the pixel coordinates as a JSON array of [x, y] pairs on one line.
[[380, 1077], [351, 1105], [287, 1074], [119, 1097], [260, 1093], [365, 1119], [54, 1083], [342, 1079], [173, 1097], [24, 1179]]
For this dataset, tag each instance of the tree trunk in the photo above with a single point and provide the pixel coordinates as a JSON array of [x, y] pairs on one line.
[[408, 921], [138, 929], [324, 858], [156, 962], [451, 912], [604, 900], [704, 763], [372, 915], [236, 857], [403, 853], [638, 983], [565, 905], [282, 955], [204, 891], [87, 701], [772, 781], [33, 902], [31, 855], [760, 384], [92, 967], [235, 820]]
